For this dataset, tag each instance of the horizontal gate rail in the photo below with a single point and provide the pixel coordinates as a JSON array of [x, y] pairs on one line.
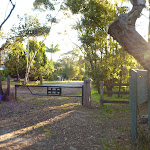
[[49, 86]]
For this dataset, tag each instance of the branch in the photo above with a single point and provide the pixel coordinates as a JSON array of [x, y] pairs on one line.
[[135, 13], [8, 14]]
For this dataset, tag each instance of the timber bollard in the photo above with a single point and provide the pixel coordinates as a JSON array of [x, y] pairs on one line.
[[101, 93], [8, 86], [87, 93]]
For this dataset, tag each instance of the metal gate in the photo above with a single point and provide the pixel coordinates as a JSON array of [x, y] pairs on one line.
[[50, 90]]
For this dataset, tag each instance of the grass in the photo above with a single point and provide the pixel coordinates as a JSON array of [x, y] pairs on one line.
[[19, 100], [47, 132], [142, 143], [95, 96]]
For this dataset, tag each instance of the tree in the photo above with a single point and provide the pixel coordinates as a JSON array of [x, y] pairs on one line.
[[16, 60], [30, 26], [104, 57], [48, 70], [71, 65], [53, 49], [123, 31], [40, 58]]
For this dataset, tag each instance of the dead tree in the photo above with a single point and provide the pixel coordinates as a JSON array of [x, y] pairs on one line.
[[123, 31]]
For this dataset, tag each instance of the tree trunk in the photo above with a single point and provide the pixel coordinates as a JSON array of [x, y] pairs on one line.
[[29, 65], [123, 31]]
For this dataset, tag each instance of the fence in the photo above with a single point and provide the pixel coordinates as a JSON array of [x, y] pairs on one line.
[[45, 90], [102, 92]]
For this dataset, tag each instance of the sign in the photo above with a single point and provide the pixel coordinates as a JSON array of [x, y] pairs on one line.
[[53, 91]]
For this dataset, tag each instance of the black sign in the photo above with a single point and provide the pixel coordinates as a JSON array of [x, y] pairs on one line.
[[53, 91]]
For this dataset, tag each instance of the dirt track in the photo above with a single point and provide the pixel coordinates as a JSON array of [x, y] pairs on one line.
[[58, 123]]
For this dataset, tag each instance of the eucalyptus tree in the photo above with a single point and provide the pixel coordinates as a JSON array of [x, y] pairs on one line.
[[30, 27], [39, 60]]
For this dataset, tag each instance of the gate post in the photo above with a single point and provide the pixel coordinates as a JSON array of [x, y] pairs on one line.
[[8, 87], [87, 93], [101, 93]]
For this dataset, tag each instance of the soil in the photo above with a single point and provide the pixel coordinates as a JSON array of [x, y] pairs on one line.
[[62, 123]]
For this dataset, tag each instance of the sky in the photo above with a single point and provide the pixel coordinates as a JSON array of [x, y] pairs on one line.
[[61, 33]]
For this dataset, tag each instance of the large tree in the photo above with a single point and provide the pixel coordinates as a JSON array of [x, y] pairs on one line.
[[123, 30]]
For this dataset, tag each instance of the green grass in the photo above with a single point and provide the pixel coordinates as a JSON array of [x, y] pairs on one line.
[[19, 100]]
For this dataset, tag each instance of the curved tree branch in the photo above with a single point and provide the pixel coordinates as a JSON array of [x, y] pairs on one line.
[[13, 6]]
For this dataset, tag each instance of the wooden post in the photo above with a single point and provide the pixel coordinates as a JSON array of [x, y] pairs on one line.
[[8, 87], [101, 93], [133, 102], [87, 93], [15, 91]]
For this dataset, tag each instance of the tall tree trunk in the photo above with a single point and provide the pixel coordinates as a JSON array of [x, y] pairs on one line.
[[123, 31]]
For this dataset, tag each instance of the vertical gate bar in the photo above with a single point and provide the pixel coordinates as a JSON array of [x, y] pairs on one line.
[[60, 90]]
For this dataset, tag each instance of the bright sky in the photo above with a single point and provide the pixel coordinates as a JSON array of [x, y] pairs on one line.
[[61, 33]]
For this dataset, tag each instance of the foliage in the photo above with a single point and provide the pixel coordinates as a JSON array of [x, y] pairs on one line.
[[105, 59], [71, 66], [16, 61], [47, 71], [40, 64], [29, 26], [45, 3]]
